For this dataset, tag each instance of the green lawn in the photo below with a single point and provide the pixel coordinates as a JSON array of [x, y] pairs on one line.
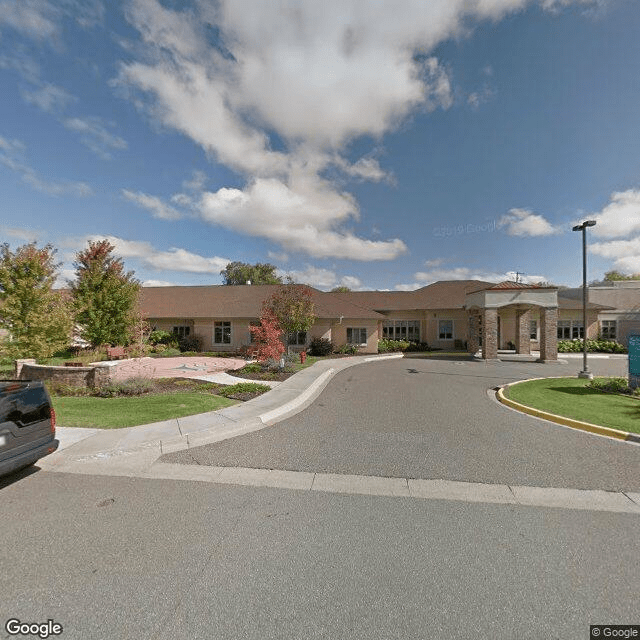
[[570, 398], [113, 413]]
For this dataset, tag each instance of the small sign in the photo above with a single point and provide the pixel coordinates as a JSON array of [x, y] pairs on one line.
[[634, 361]]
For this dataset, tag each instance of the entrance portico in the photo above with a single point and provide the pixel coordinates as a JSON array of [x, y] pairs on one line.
[[484, 307]]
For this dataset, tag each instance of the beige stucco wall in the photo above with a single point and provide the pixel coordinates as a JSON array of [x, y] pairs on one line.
[[460, 327], [339, 333]]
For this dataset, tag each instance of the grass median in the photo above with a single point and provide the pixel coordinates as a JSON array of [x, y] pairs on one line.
[[114, 413], [571, 398]]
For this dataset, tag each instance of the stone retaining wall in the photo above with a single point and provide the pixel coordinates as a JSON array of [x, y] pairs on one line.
[[90, 377]]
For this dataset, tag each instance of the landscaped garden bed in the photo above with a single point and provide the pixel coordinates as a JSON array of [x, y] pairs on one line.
[[579, 399], [144, 400]]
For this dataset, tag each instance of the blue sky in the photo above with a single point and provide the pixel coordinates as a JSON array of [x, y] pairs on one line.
[[346, 142]]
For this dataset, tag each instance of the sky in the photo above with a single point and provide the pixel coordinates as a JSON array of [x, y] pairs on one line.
[[364, 143]]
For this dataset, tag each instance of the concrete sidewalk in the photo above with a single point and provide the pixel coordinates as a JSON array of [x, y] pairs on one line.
[[117, 451]]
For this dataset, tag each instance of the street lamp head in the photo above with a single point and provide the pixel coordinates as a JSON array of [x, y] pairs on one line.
[[584, 225]]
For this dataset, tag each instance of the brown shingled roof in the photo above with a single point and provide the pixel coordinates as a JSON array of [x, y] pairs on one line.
[[508, 284], [241, 301], [444, 294]]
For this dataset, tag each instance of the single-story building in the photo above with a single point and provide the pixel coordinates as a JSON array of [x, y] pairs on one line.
[[453, 314]]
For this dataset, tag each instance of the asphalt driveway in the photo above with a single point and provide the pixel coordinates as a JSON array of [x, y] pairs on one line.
[[432, 419]]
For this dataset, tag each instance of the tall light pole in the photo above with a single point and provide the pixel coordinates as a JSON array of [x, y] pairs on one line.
[[585, 373]]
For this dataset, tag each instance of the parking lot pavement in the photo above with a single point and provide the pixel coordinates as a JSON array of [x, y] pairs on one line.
[[433, 419]]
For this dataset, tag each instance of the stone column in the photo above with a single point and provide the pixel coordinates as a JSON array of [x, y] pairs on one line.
[[490, 334], [18, 364], [549, 335], [523, 331], [473, 341]]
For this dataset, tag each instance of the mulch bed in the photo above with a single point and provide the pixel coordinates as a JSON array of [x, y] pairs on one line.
[[278, 376]]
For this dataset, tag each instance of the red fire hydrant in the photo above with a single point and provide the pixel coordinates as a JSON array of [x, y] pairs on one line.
[[303, 356]]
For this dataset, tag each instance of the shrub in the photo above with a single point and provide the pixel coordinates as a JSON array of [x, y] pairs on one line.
[[131, 387], [161, 337], [190, 343], [349, 349], [170, 353], [243, 387], [418, 346], [252, 367], [601, 346], [62, 389], [385, 345], [320, 347], [613, 385]]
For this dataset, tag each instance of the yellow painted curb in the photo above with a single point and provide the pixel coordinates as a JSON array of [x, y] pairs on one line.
[[567, 422]]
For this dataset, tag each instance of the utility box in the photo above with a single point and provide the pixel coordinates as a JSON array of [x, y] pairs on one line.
[[634, 361]]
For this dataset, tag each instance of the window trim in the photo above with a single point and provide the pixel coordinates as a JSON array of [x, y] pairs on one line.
[[181, 330], [412, 327], [222, 328], [532, 337], [359, 330], [612, 323], [453, 329], [570, 326]]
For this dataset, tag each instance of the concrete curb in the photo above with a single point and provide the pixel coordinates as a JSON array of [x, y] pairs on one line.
[[178, 434], [567, 422]]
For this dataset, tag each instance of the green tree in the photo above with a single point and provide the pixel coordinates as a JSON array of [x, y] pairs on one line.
[[243, 273], [293, 306], [39, 320], [105, 296], [341, 289], [612, 276]]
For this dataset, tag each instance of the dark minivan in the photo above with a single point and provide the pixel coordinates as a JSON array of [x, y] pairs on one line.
[[27, 424]]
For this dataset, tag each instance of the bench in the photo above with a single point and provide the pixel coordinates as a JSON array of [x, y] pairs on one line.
[[116, 353]]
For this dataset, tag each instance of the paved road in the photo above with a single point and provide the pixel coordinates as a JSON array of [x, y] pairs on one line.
[[131, 558], [426, 418]]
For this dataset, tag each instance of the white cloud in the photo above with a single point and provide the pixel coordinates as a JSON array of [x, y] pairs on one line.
[[20, 233], [466, 273], [95, 136], [522, 222], [620, 218], [624, 253], [11, 152], [301, 218], [36, 18], [321, 278], [317, 74], [41, 19], [48, 97], [173, 260], [154, 204], [158, 283], [197, 182], [278, 257]]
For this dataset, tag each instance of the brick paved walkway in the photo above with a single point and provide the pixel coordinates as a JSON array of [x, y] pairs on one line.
[[180, 367]]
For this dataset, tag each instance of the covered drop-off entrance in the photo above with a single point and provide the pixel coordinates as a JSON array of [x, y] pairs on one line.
[[486, 305]]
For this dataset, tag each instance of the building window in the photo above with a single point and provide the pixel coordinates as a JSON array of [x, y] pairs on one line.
[[533, 329], [356, 336], [298, 338], [401, 330], [608, 329], [570, 329], [445, 329], [181, 331], [221, 333]]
